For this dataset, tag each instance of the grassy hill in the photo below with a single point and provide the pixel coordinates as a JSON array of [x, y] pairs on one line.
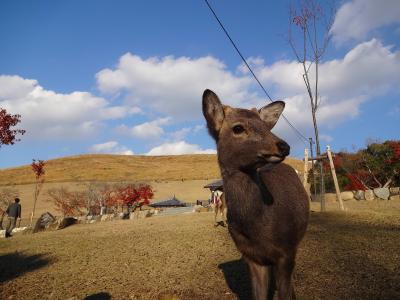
[[107, 167]]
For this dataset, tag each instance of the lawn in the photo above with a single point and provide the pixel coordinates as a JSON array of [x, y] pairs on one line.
[[345, 255]]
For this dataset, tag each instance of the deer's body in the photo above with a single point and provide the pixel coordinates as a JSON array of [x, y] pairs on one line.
[[267, 205]]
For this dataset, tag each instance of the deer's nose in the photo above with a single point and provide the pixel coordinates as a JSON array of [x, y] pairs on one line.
[[283, 147]]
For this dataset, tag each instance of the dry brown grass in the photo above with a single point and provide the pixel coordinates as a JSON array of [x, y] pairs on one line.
[[351, 255], [107, 167]]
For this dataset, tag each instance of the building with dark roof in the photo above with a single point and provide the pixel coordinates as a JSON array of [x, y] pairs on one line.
[[173, 202], [215, 185]]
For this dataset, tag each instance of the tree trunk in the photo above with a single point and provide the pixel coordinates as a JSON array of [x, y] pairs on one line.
[[34, 203]]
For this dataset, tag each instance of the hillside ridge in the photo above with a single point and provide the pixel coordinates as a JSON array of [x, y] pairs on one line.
[[111, 167]]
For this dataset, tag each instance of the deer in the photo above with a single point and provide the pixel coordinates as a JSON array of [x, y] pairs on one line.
[[267, 205]]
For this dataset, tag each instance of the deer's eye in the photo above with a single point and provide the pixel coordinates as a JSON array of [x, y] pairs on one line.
[[238, 129]]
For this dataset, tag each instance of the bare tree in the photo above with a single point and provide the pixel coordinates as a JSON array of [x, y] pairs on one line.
[[309, 36]]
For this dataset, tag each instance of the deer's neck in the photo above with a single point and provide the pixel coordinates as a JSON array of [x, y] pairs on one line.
[[243, 196]]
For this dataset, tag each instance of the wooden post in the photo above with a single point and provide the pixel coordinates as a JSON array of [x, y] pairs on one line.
[[305, 174], [339, 198]]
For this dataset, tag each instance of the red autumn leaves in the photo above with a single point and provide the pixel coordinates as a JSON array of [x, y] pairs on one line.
[[8, 136]]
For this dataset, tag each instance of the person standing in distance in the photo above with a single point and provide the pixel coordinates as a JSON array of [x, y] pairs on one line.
[[13, 212]]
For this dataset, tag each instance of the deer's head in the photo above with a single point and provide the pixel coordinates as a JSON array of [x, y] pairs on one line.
[[244, 139]]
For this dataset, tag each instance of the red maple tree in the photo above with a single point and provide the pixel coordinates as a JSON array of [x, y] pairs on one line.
[[8, 136], [129, 195]]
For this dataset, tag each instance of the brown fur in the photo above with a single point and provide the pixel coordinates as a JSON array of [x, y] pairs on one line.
[[267, 205]]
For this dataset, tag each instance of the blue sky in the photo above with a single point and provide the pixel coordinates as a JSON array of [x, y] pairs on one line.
[[127, 76]]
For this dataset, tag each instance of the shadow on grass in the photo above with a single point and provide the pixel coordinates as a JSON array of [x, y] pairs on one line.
[[13, 265], [98, 296], [357, 255], [237, 277]]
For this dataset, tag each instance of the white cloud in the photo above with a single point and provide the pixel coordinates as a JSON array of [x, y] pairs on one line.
[[173, 86], [147, 130], [47, 114], [111, 147], [325, 137], [179, 148], [355, 19], [180, 134], [367, 71]]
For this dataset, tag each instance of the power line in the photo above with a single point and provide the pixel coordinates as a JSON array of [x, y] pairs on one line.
[[299, 134]]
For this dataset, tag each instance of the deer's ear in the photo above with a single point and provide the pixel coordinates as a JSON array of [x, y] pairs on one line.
[[213, 112], [271, 113]]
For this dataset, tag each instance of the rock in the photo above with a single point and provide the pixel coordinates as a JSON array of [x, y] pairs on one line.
[[107, 217], [197, 208], [394, 197], [134, 215], [44, 221], [394, 190], [359, 195], [347, 196], [144, 214], [369, 195], [65, 222], [2, 233], [98, 218], [81, 219], [382, 193], [19, 229]]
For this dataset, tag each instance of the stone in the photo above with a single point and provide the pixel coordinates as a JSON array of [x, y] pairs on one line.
[[2, 233], [65, 222], [369, 195], [19, 229], [82, 219], [394, 197], [347, 195], [134, 215], [197, 208], [359, 195], [106, 217], [144, 214], [44, 221], [96, 218], [394, 190], [382, 193]]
